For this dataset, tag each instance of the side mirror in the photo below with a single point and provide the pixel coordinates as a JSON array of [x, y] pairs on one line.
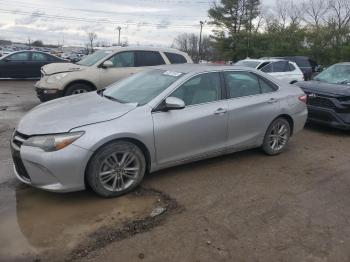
[[6, 60], [107, 64], [173, 103]]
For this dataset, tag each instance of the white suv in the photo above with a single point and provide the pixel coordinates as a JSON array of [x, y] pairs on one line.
[[284, 70], [101, 69]]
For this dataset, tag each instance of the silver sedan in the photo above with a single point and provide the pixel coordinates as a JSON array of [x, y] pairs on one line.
[[165, 116]]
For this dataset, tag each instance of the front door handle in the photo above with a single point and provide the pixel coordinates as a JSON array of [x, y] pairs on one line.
[[272, 100], [220, 111]]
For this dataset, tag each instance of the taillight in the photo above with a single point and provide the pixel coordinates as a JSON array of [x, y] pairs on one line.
[[303, 98]]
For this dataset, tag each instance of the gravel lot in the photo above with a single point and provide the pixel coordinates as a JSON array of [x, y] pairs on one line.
[[240, 207]]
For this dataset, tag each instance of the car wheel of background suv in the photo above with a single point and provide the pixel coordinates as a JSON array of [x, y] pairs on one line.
[[77, 88], [116, 169]]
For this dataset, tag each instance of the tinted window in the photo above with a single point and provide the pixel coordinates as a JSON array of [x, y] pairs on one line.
[[280, 66], [242, 84], [262, 65], [266, 86], [175, 58], [148, 58], [24, 56], [200, 89], [291, 67], [39, 57], [123, 59]]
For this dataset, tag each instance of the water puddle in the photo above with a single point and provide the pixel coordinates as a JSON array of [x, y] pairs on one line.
[[38, 224]]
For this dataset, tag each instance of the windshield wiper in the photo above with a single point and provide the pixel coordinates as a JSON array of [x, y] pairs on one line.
[[113, 99]]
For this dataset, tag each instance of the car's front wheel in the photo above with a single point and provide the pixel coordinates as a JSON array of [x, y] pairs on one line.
[[77, 88], [116, 169], [277, 136]]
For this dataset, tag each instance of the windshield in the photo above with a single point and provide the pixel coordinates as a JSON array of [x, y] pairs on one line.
[[336, 74], [252, 64], [142, 87], [94, 58]]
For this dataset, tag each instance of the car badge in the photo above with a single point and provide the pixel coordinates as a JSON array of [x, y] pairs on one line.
[[312, 95]]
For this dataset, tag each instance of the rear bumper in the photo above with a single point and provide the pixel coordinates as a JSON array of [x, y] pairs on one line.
[[327, 117]]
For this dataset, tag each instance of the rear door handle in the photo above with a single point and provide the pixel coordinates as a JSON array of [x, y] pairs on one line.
[[272, 100], [220, 111]]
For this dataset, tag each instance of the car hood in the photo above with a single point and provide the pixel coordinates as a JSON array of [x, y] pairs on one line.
[[55, 68], [324, 88], [64, 114]]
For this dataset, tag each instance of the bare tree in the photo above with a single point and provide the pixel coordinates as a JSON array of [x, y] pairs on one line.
[[92, 37], [340, 13], [315, 11]]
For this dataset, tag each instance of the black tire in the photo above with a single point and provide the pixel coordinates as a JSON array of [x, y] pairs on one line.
[[271, 136], [77, 89], [109, 152]]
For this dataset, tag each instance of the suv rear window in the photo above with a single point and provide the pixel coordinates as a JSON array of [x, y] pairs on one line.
[[148, 58], [175, 58]]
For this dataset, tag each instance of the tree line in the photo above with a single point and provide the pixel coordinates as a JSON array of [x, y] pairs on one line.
[[319, 29]]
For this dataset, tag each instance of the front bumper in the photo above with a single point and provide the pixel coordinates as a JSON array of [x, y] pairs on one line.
[[58, 171], [328, 117], [46, 94]]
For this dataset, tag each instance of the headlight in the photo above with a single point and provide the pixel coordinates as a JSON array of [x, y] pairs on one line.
[[51, 143], [56, 77]]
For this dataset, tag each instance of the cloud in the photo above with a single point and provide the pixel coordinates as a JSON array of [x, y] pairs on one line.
[[31, 19], [163, 24]]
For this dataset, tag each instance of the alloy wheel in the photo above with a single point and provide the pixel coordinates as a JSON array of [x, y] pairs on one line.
[[278, 136], [119, 171]]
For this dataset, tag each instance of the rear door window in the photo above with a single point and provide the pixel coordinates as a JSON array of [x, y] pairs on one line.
[[242, 84], [276, 67], [148, 58], [175, 58], [39, 57]]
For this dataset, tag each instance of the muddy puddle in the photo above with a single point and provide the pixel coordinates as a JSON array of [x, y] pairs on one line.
[[38, 225]]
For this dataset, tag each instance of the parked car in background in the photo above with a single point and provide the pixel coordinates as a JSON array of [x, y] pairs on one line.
[[109, 139], [281, 69], [329, 96], [101, 69], [308, 66], [25, 64]]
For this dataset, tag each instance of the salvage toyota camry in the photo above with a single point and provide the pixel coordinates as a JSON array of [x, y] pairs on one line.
[[165, 116]]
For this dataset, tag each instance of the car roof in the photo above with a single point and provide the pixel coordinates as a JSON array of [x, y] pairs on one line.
[[198, 68], [263, 60], [143, 48]]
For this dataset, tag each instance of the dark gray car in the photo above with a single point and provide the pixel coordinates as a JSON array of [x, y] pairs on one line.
[[329, 96]]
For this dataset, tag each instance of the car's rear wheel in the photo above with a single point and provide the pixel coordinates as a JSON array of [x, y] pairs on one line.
[[276, 137], [116, 169], [77, 88]]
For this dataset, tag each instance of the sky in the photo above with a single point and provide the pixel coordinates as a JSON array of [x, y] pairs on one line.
[[67, 22]]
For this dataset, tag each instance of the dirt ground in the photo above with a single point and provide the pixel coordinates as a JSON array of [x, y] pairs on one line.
[[240, 207]]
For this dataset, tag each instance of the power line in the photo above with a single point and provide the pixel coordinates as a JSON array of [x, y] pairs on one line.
[[98, 21], [96, 11]]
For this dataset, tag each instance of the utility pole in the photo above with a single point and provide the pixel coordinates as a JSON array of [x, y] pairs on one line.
[[29, 43], [119, 28], [200, 41]]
